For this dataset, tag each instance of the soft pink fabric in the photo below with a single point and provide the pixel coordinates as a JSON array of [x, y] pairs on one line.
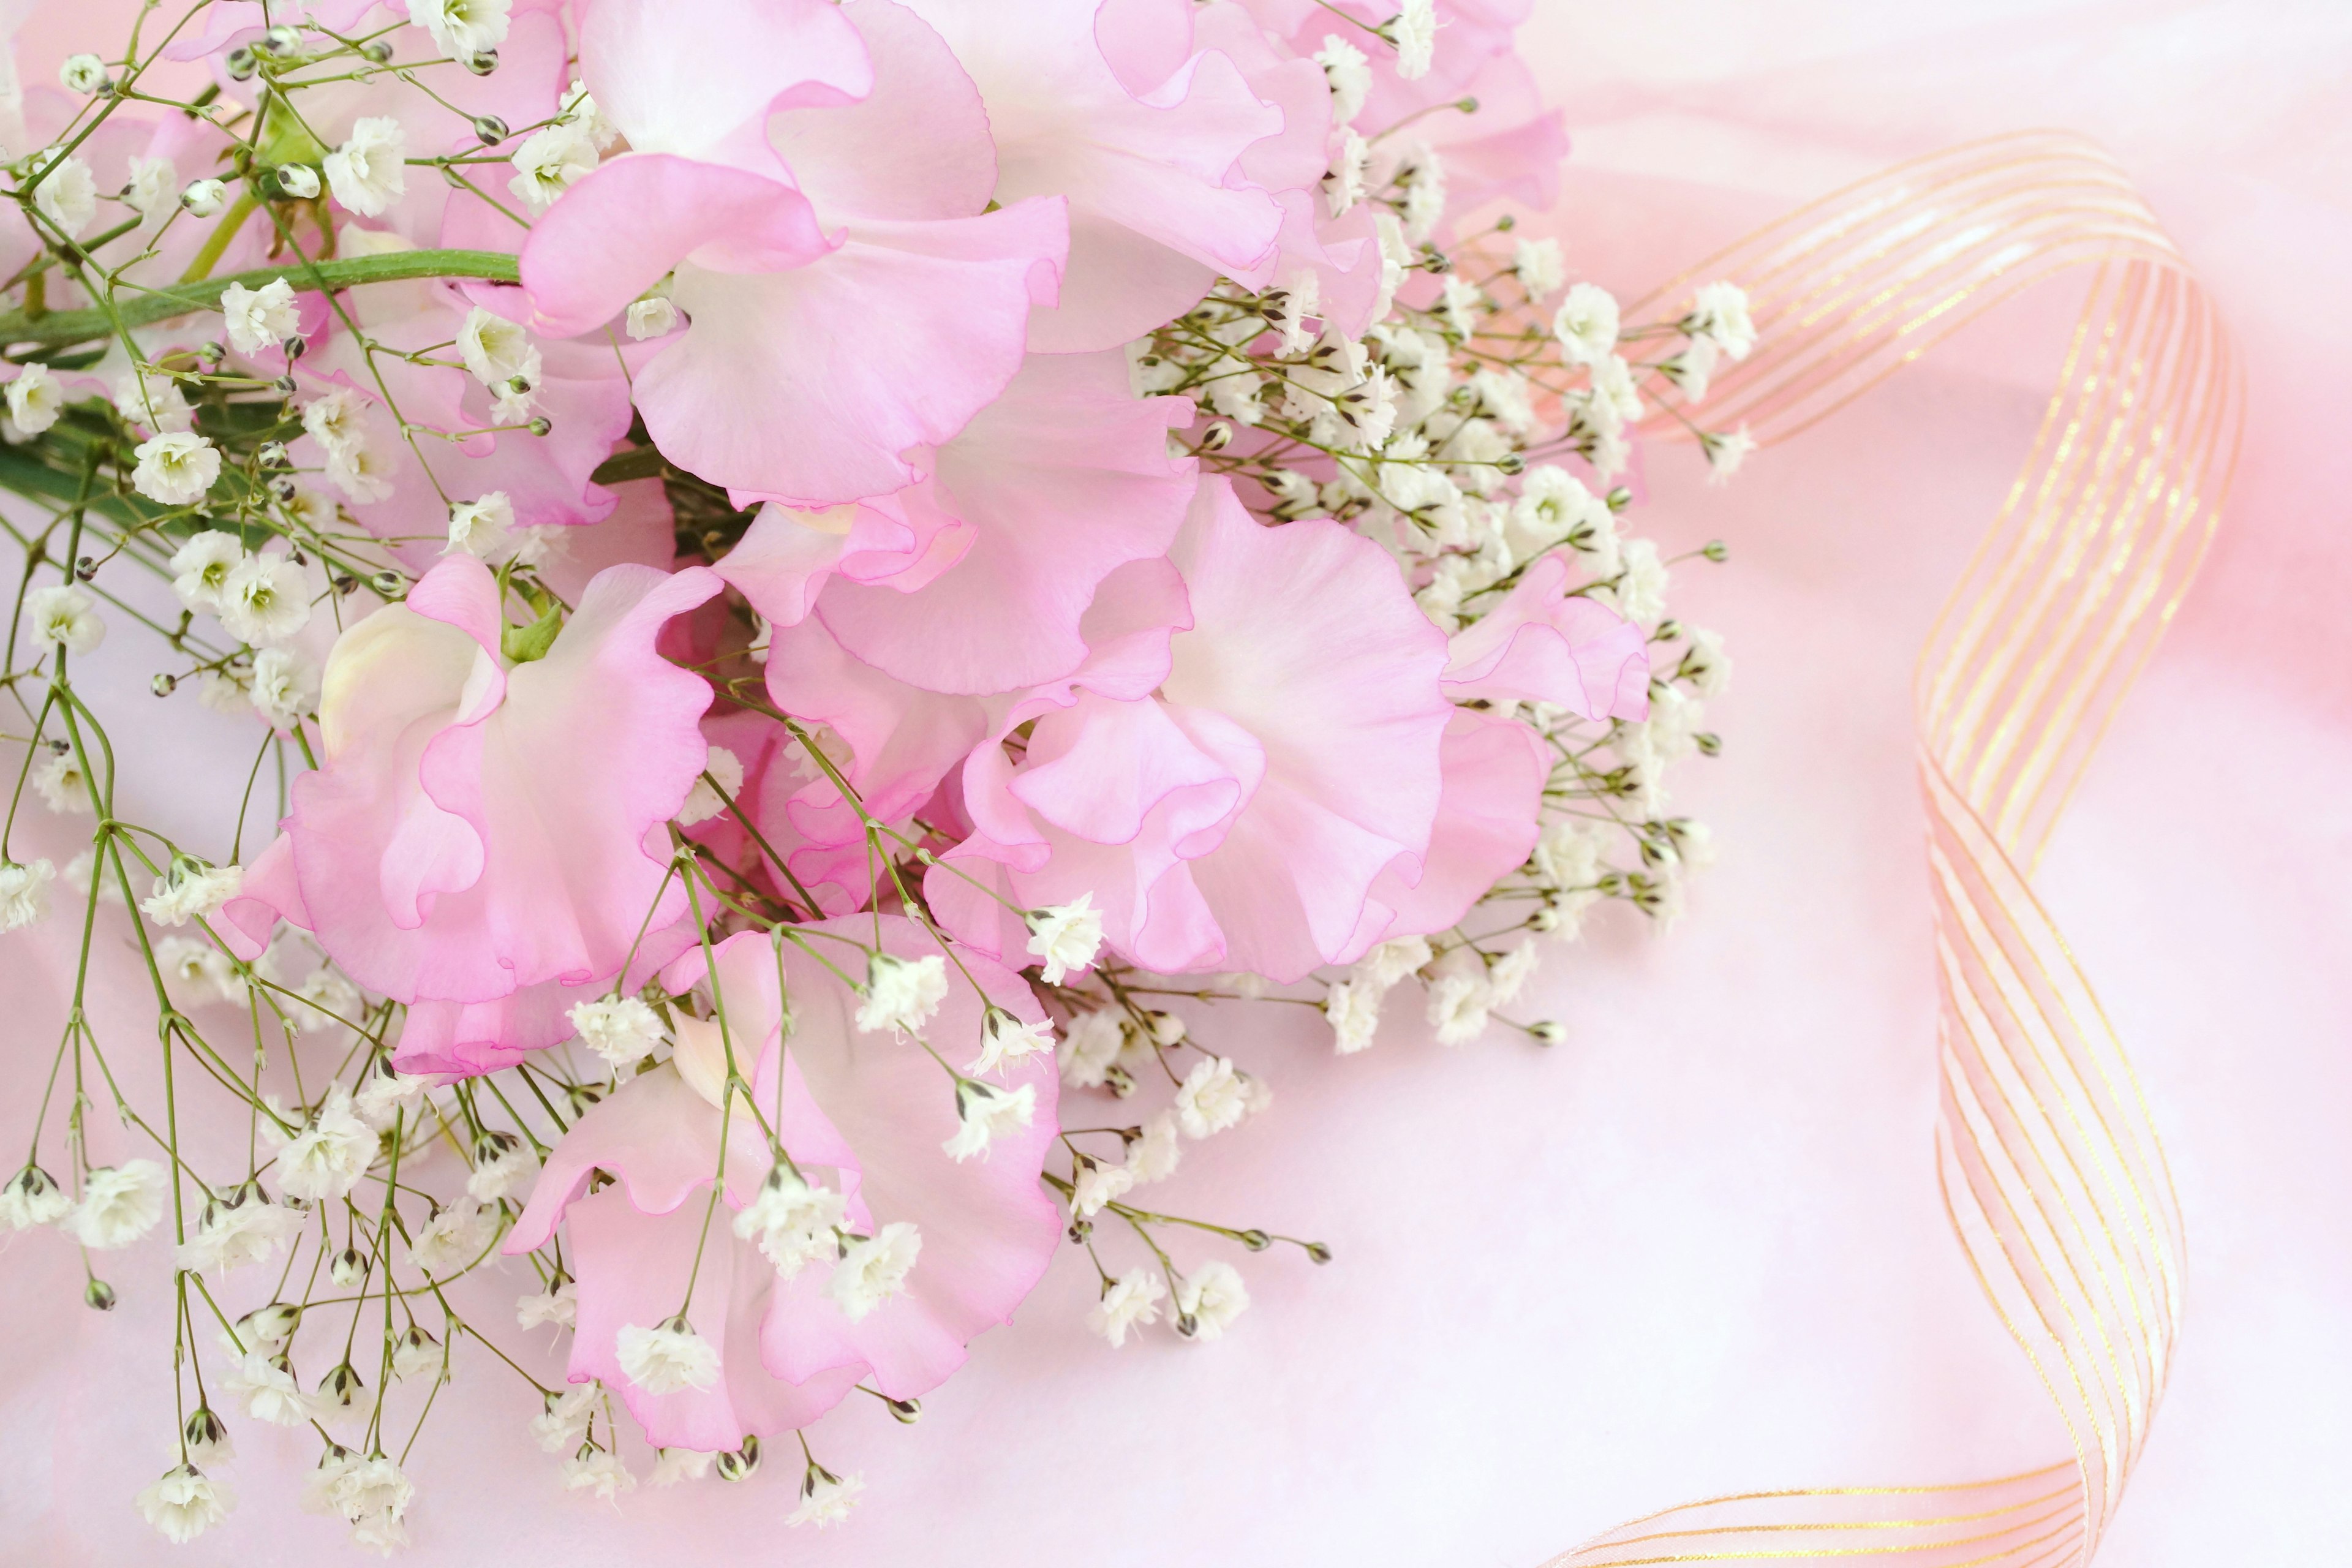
[[474, 831]]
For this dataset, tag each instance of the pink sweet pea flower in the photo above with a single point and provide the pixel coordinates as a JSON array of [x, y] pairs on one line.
[[1160, 201], [476, 831], [1236, 811], [863, 1115], [847, 305], [1542, 643]]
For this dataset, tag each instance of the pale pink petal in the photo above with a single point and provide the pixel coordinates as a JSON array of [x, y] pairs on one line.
[[917, 146], [1487, 822], [692, 83], [1543, 644]]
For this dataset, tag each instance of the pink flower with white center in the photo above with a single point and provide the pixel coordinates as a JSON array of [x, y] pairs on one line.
[[1112, 108], [480, 839], [817, 193], [953, 1246], [1233, 807]]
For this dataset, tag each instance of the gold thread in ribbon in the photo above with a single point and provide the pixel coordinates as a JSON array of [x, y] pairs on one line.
[[2051, 1172]]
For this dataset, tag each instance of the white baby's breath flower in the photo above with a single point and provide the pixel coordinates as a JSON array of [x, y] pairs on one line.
[[1132, 1300], [260, 317], [32, 1197], [298, 180], [199, 971], [653, 316], [494, 349], [599, 1472], [175, 468], [264, 1385], [385, 1092], [1354, 1011], [1350, 72], [1586, 324], [1508, 974], [453, 1238], [563, 1418], [1540, 267], [200, 568], [559, 1306], [482, 528], [68, 195], [361, 470], [1212, 1098], [35, 398], [901, 995], [190, 889], [1414, 31], [263, 599], [285, 687], [1154, 1156], [462, 28], [184, 1503], [153, 189], [672, 1465], [1091, 1045], [549, 161], [503, 1164], [1391, 960], [984, 1113], [874, 1269], [329, 1156], [236, 1228], [702, 802], [1067, 936], [1211, 1298], [825, 1499], [61, 786], [204, 197], [1457, 1006], [1425, 193], [1725, 453], [1615, 401], [1640, 593], [1097, 1185], [1719, 314], [1349, 175], [120, 1204], [337, 421], [667, 1358], [83, 74], [367, 173], [1005, 1039], [621, 1029], [65, 617], [793, 1222]]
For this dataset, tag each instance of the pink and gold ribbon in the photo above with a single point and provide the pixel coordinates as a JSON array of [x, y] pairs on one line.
[[2051, 1169]]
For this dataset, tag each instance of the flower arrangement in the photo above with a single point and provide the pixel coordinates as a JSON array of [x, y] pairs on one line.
[[820, 597]]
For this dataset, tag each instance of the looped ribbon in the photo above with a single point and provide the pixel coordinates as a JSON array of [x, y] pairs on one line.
[[2050, 1166]]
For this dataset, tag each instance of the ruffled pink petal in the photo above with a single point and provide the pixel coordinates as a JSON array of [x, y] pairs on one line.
[[917, 146], [462, 1039], [1487, 822], [1064, 479], [810, 386], [1543, 645], [623, 227], [903, 739], [693, 85]]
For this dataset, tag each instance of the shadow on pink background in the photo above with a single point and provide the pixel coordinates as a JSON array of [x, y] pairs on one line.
[[1698, 1249]]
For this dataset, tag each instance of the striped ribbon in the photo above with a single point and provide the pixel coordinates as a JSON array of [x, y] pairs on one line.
[[2050, 1166]]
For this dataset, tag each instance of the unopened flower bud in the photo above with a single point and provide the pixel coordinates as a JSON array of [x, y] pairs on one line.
[[345, 584], [377, 49], [85, 568], [1255, 1240], [284, 385], [203, 1429], [298, 180], [350, 1263], [1118, 1080], [1549, 1032], [1187, 1325], [739, 1465], [163, 685], [1080, 1230], [273, 455], [204, 197], [1167, 1028], [490, 129], [1716, 550], [283, 489], [242, 64], [1504, 223], [908, 1411], [279, 41], [1467, 105], [582, 1096], [293, 348], [1709, 744], [269, 1325], [210, 354], [1511, 463], [484, 63], [541, 426], [387, 584], [1319, 1252], [1217, 436], [98, 1295], [340, 1386], [1620, 498]]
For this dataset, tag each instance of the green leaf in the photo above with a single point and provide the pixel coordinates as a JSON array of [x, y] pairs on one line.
[[524, 643]]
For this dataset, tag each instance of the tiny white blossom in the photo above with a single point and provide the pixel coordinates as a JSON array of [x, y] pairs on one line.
[[549, 161], [1425, 193], [793, 1222], [200, 568], [327, 1002], [35, 398], [1154, 1156], [1691, 370], [371, 1488], [266, 1386], [462, 28], [260, 317], [672, 1465], [264, 598], [622, 1030], [1616, 399], [1457, 1007], [387, 1093], [1098, 1185], [83, 74], [1508, 974], [154, 188], [826, 1499], [65, 616], [1346, 68], [285, 687], [874, 1269], [337, 421], [367, 172], [203, 198], [1725, 453], [901, 995], [483, 527], [152, 400], [456, 1235], [1067, 936], [1705, 664], [667, 1358], [1540, 267], [175, 468], [1414, 31], [1391, 960], [298, 180], [1212, 1296], [329, 1156], [1005, 1039], [1354, 1011], [702, 802], [120, 1204], [361, 470], [202, 969], [1350, 177], [61, 786], [579, 107], [1090, 1046], [66, 196], [1132, 1300], [1303, 300], [240, 1228], [506, 1165], [1719, 314], [653, 316], [190, 891], [1640, 593], [1212, 1098], [599, 1472], [1586, 324], [559, 1306], [494, 349], [32, 1197], [985, 1113], [562, 1422], [184, 1503]]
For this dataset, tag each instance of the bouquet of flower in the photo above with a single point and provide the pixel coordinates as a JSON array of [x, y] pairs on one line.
[[804, 603]]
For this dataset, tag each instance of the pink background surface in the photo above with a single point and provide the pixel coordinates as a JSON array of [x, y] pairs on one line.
[[1698, 1249]]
